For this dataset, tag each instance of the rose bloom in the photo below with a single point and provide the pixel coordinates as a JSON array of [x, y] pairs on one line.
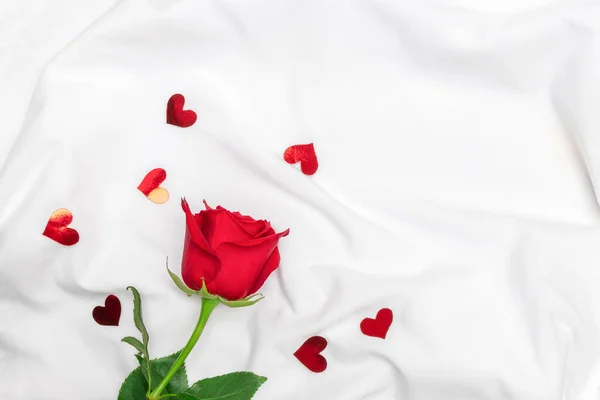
[[233, 253]]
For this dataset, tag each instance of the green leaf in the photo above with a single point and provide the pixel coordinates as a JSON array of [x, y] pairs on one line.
[[136, 387], [137, 314], [139, 358], [234, 386], [139, 324], [179, 283], [139, 346], [160, 367]]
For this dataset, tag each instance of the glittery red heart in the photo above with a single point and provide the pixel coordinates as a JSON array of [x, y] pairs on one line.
[[176, 115], [57, 228], [308, 354], [110, 314], [305, 155], [379, 326]]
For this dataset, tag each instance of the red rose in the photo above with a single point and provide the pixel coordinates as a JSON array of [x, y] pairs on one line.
[[234, 253]]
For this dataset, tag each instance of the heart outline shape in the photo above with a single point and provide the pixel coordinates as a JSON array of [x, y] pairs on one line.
[[305, 155], [110, 313], [309, 354], [58, 229], [150, 186], [176, 115], [378, 326]]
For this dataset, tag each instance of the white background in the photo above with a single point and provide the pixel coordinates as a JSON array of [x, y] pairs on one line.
[[457, 141]]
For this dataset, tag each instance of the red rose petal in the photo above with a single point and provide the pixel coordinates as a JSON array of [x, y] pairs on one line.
[[235, 282], [271, 265], [194, 229]]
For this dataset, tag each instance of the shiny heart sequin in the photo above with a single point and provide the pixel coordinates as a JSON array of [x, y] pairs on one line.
[[378, 326], [58, 229], [150, 186], [110, 313], [305, 155], [176, 115], [309, 354]]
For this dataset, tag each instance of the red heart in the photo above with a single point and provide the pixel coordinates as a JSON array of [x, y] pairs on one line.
[[150, 186], [305, 154], [308, 354], [110, 314], [379, 326], [176, 115], [57, 228]]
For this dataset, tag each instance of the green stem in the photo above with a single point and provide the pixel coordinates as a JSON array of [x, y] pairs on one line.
[[208, 305]]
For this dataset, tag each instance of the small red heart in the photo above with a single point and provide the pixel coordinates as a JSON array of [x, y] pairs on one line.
[[150, 186], [308, 354], [57, 228], [305, 154], [110, 314], [379, 326], [176, 115]]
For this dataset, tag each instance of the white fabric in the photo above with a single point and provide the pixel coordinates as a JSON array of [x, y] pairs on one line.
[[457, 142]]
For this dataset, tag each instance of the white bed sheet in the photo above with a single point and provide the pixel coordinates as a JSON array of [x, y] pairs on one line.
[[457, 142]]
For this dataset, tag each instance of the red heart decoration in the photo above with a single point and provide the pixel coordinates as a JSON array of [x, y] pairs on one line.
[[176, 115], [110, 314], [57, 228], [305, 154], [379, 326], [308, 354], [150, 186]]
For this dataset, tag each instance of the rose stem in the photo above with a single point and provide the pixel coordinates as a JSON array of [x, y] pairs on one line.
[[208, 305]]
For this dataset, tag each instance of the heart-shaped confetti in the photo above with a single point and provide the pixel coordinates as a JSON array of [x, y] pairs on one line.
[[305, 155], [309, 354], [110, 313], [58, 229], [176, 115], [150, 186], [378, 326]]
